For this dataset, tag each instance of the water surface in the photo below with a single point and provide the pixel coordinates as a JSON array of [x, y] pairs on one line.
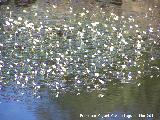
[[49, 73]]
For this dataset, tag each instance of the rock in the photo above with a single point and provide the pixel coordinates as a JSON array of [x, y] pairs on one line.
[[3, 2], [24, 2], [116, 2]]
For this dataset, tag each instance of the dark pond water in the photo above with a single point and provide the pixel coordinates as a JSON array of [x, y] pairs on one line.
[[62, 60]]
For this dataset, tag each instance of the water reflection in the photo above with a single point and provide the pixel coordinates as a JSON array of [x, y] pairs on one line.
[[120, 100], [16, 111], [50, 110], [129, 100]]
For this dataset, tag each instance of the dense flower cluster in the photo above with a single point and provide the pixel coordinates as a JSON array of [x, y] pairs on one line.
[[80, 51]]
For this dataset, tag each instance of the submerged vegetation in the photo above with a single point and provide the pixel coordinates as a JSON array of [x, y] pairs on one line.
[[77, 51]]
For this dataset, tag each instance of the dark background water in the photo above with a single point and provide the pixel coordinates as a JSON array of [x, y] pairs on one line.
[[118, 99]]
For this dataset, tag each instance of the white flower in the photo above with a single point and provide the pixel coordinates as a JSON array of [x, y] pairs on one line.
[[53, 66], [105, 45], [79, 23], [152, 58], [93, 57], [70, 11], [111, 48], [35, 14], [144, 32], [96, 74], [100, 95], [81, 34], [57, 28], [78, 81], [124, 41], [82, 14], [105, 25], [99, 51], [1, 44], [103, 65], [136, 26], [1, 66], [87, 11], [49, 28], [138, 45], [70, 8], [85, 56], [123, 66], [18, 83], [150, 29], [26, 78], [10, 20], [139, 36], [116, 18], [130, 27], [94, 24], [101, 81], [26, 22], [36, 40], [112, 14], [150, 9], [57, 93], [98, 33], [119, 35], [24, 11], [19, 18], [29, 25], [131, 19], [114, 28], [138, 84], [139, 72], [7, 23], [54, 6], [64, 69], [53, 72], [58, 59], [122, 17], [129, 75], [16, 22], [71, 28]]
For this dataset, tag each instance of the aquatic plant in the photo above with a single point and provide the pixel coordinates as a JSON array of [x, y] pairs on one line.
[[81, 51]]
